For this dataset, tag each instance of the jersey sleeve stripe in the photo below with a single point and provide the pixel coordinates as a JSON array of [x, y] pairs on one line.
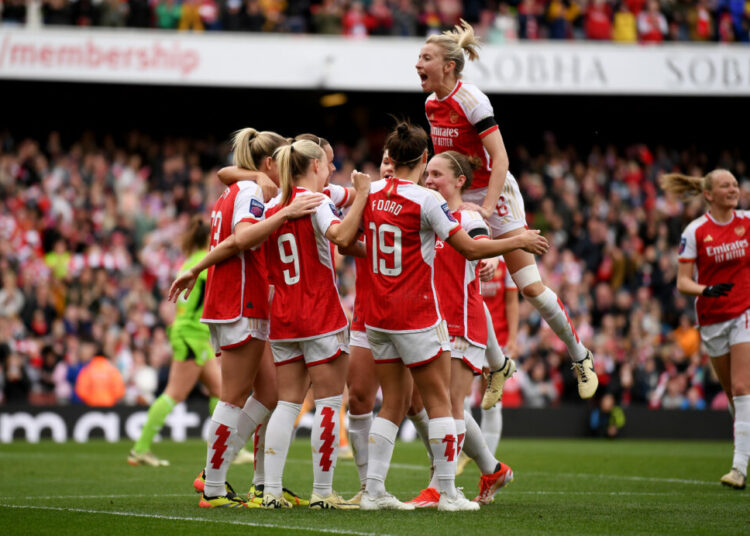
[[249, 220], [479, 232], [686, 260], [486, 125], [454, 230]]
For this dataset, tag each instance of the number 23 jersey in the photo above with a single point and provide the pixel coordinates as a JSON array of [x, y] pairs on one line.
[[400, 222], [305, 301]]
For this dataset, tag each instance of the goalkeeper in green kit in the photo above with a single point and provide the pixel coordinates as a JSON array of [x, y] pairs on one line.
[[193, 355]]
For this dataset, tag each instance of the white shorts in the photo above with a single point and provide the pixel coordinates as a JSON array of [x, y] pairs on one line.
[[359, 339], [510, 213], [412, 348], [719, 338], [314, 351], [234, 334], [471, 354]]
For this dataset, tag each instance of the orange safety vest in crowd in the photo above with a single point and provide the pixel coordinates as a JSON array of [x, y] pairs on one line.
[[100, 383]]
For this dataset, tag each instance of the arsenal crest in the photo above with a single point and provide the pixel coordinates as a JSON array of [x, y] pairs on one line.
[[453, 117], [739, 230]]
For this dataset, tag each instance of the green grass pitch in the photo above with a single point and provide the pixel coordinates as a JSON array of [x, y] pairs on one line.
[[561, 487]]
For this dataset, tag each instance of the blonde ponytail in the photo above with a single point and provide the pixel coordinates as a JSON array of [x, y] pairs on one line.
[[687, 186], [293, 161], [251, 147], [454, 43]]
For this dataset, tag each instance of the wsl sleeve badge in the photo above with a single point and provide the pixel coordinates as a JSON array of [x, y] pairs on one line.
[[447, 211], [683, 245], [336, 212], [256, 208]]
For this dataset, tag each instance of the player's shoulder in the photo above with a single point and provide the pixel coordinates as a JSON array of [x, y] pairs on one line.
[[470, 95], [696, 224], [376, 186], [743, 215], [250, 187], [471, 216], [273, 202], [431, 98]]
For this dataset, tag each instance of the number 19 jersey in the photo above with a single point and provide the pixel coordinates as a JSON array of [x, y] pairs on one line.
[[401, 220], [305, 301]]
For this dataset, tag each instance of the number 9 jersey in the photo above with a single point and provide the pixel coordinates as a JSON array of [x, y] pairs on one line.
[[401, 220], [305, 301]]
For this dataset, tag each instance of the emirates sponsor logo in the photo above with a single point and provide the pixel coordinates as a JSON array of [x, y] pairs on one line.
[[444, 132], [728, 251]]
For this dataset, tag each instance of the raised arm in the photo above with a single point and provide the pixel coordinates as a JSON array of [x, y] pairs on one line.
[[344, 233], [529, 240]]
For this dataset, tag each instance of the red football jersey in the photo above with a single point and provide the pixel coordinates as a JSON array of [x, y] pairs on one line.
[[361, 292], [493, 292], [458, 285], [720, 253], [238, 286], [401, 220], [305, 301], [459, 122]]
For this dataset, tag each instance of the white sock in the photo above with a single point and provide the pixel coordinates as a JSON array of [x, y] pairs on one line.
[[741, 432], [444, 453], [460, 435], [494, 354], [278, 438], [259, 450], [222, 434], [421, 423], [359, 432], [475, 447], [492, 426], [324, 438], [252, 414], [380, 450], [553, 312]]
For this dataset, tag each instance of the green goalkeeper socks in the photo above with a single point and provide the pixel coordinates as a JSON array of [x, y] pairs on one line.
[[212, 401], [157, 414]]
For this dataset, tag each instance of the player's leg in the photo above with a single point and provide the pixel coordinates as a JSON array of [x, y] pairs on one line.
[[328, 380], [417, 414], [740, 382], [394, 379], [265, 392], [525, 274], [182, 377], [363, 387], [501, 367], [292, 383]]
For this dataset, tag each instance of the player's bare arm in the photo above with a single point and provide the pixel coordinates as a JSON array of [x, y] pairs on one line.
[[529, 240], [232, 174]]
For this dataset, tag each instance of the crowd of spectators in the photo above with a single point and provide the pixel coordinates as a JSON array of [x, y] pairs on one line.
[[88, 247], [498, 21]]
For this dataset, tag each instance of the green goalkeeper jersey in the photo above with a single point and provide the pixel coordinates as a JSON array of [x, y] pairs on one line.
[[187, 322]]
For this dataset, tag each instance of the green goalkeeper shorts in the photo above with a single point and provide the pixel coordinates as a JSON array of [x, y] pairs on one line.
[[198, 349]]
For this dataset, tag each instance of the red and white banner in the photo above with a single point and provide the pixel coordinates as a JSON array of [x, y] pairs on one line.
[[373, 64]]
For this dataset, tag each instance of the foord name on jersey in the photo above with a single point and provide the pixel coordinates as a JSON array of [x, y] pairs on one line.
[[387, 206]]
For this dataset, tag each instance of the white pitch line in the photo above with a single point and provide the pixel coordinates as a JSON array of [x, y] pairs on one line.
[[626, 477], [186, 518]]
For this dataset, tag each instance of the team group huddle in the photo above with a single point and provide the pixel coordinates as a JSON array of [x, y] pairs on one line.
[[420, 329]]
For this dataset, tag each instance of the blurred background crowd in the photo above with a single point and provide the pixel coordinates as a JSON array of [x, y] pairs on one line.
[[89, 245], [497, 21]]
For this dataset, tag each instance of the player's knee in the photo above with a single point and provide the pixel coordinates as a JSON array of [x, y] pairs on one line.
[[533, 290], [740, 386], [529, 280]]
